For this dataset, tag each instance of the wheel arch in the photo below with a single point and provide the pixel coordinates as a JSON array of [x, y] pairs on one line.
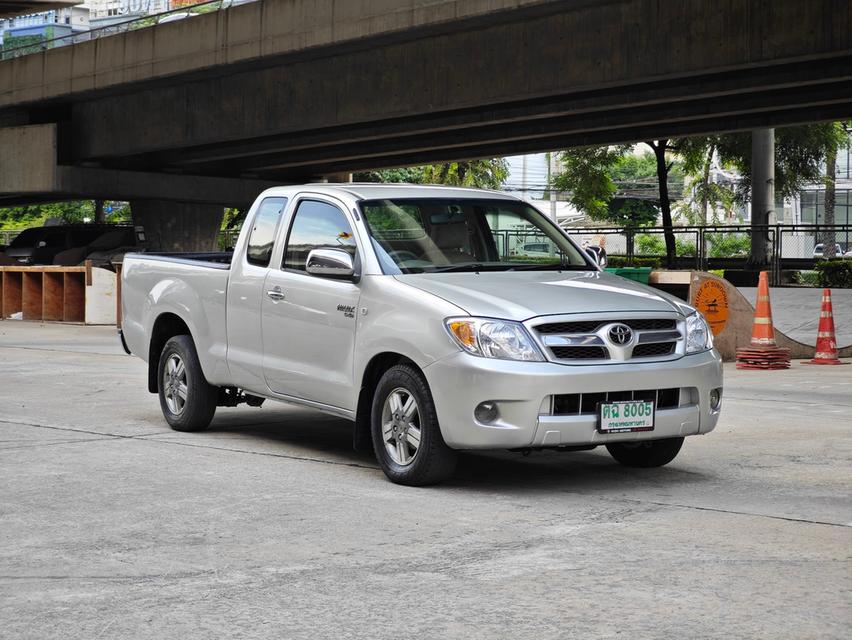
[[166, 326], [362, 437]]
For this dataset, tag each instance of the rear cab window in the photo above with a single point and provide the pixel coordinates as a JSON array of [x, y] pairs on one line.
[[261, 240]]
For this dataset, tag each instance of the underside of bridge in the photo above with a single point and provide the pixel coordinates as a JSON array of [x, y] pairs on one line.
[[292, 90]]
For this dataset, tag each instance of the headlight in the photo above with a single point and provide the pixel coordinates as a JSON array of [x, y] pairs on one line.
[[698, 334], [493, 338]]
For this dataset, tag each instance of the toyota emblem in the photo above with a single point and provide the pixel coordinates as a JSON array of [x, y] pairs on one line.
[[620, 334]]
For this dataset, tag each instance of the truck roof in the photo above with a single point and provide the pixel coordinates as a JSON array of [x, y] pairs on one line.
[[379, 191]]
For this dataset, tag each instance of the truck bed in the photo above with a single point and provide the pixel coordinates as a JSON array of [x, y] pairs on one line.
[[214, 260]]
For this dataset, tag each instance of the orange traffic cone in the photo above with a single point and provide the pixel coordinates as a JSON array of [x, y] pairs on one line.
[[826, 344], [764, 353]]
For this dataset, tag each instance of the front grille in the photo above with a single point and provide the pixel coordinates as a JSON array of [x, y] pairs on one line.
[[653, 349], [571, 404], [589, 340], [590, 326], [580, 353]]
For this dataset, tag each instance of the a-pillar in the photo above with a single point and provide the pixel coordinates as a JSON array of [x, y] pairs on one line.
[[178, 226]]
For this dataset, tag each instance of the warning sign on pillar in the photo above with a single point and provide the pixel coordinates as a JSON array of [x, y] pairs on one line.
[[712, 301]]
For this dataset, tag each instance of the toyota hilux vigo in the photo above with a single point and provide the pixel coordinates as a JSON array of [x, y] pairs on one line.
[[417, 313]]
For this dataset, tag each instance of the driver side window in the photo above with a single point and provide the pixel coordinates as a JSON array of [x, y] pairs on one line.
[[316, 225]]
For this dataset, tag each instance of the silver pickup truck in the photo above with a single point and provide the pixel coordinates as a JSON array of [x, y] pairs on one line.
[[419, 314]]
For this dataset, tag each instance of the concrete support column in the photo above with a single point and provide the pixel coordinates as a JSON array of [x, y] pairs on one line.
[[178, 226], [762, 191]]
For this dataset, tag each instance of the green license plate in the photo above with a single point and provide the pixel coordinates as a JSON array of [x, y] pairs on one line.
[[625, 417]]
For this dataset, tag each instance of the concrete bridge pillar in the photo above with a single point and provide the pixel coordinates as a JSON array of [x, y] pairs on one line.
[[178, 226]]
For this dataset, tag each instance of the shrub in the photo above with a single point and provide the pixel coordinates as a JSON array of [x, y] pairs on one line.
[[835, 273], [621, 261], [807, 278], [727, 245]]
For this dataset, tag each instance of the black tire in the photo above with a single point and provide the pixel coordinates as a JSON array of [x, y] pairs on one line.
[[201, 398], [432, 461], [645, 454]]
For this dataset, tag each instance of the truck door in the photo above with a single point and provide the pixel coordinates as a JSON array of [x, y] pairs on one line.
[[245, 294], [309, 321]]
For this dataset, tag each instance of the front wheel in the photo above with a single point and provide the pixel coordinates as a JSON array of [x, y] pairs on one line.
[[406, 435], [646, 454], [188, 401]]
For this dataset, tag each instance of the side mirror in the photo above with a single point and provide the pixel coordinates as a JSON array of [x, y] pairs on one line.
[[330, 263]]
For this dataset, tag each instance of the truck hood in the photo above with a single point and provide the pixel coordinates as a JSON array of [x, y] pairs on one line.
[[523, 295]]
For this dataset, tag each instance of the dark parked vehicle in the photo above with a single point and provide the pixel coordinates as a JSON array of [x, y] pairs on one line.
[[40, 245]]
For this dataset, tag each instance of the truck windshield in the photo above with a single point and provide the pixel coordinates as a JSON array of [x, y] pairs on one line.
[[436, 235]]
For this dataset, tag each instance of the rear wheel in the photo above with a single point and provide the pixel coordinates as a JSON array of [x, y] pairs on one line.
[[648, 453], [188, 401], [406, 435]]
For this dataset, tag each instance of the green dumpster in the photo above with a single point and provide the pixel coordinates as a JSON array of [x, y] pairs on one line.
[[639, 274]]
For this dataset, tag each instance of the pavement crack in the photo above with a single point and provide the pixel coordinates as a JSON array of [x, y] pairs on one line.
[[97, 353], [737, 513], [116, 436], [286, 456]]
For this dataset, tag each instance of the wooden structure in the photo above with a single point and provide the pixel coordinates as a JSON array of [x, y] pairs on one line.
[[58, 294]]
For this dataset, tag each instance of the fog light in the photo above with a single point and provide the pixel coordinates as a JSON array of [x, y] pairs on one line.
[[486, 412], [715, 399]]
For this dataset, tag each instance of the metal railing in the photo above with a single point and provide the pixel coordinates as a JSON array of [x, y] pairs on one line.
[[142, 22], [787, 247]]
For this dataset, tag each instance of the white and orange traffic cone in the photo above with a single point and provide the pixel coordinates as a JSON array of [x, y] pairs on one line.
[[826, 344], [763, 353]]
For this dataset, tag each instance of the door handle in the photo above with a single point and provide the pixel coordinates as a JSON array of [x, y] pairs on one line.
[[275, 294]]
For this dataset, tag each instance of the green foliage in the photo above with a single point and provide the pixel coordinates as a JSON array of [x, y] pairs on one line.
[[36, 215], [835, 273], [728, 245], [412, 175], [621, 261], [634, 169], [719, 273], [653, 244], [631, 212], [483, 174], [799, 154], [650, 244], [806, 278], [33, 44], [587, 178]]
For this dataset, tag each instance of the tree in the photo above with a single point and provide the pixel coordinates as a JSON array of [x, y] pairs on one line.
[[413, 175], [587, 178], [800, 152], [483, 174], [590, 174], [36, 215], [841, 140]]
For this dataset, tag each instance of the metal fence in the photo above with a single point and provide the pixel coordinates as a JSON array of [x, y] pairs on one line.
[[726, 247], [180, 13]]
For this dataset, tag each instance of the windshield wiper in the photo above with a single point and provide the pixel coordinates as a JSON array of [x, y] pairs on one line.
[[551, 267], [468, 266]]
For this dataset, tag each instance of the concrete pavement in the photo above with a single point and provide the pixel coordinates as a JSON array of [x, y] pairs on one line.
[[268, 525]]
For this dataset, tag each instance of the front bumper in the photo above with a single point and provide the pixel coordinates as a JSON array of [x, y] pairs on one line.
[[522, 391]]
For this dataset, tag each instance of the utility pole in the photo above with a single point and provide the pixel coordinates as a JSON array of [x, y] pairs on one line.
[[762, 193], [99, 211]]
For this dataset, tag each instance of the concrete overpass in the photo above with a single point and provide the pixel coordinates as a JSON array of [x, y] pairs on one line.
[[291, 90], [10, 8]]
